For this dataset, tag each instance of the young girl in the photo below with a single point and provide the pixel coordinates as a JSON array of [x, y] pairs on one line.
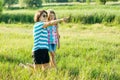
[[53, 37], [40, 33]]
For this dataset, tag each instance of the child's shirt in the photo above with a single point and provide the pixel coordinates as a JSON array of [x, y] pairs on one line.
[[40, 36], [52, 35]]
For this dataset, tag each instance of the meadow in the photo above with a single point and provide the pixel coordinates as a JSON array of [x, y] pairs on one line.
[[88, 51], [85, 14]]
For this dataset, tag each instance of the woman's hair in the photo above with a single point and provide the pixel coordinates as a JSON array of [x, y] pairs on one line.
[[49, 12], [38, 15]]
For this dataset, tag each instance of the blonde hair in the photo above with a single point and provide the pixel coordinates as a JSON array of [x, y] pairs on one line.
[[49, 12]]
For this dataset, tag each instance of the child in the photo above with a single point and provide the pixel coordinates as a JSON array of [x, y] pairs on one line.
[[40, 48], [53, 37]]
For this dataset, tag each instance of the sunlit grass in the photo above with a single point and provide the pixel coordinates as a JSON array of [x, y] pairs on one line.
[[88, 52]]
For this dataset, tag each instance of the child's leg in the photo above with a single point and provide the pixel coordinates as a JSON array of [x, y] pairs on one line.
[[23, 65], [53, 63], [30, 65], [41, 66], [45, 66], [37, 67], [52, 48], [58, 43]]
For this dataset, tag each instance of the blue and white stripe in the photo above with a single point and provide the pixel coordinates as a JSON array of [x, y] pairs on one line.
[[40, 36]]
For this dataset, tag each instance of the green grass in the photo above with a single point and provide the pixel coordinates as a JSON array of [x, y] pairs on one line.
[[69, 9], [88, 52], [86, 14]]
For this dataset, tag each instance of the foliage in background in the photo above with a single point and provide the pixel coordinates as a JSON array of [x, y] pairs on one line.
[[14, 18], [88, 1], [1, 6], [38, 3], [8, 3], [82, 16], [22, 3], [50, 1], [61, 0], [104, 1], [30, 3]]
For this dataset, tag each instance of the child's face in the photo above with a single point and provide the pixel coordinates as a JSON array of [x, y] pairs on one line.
[[43, 17], [52, 16]]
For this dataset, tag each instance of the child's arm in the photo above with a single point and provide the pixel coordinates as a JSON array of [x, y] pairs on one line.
[[46, 24]]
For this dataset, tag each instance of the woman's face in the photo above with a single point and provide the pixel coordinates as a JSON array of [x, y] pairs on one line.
[[52, 16], [43, 17]]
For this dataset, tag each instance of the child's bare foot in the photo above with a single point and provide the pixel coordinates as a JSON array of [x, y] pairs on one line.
[[22, 65], [30, 65]]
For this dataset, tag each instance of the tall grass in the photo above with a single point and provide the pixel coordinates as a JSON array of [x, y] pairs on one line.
[[87, 14], [15, 18], [88, 52]]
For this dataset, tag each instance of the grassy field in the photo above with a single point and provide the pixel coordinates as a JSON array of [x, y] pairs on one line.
[[85, 14], [88, 52], [69, 9]]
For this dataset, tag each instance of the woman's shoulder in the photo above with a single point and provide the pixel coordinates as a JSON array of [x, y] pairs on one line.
[[37, 24]]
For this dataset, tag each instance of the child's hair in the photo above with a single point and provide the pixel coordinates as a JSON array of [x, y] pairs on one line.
[[49, 12], [38, 15]]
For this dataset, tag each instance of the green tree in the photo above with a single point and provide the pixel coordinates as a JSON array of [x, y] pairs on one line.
[[1, 5], [70, 0], [9, 2], [104, 1], [46, 1], [30, 3], [50, 1], [62, 0], [113, 0], [75, 0], [21, 3]]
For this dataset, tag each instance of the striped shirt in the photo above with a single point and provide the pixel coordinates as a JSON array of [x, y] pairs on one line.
[[40, 36]]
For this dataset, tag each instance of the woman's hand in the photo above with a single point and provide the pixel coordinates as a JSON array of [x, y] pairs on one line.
[[65, 19]]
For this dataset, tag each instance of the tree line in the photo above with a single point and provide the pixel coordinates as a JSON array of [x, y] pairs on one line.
[[1, 7], [38, 3]]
